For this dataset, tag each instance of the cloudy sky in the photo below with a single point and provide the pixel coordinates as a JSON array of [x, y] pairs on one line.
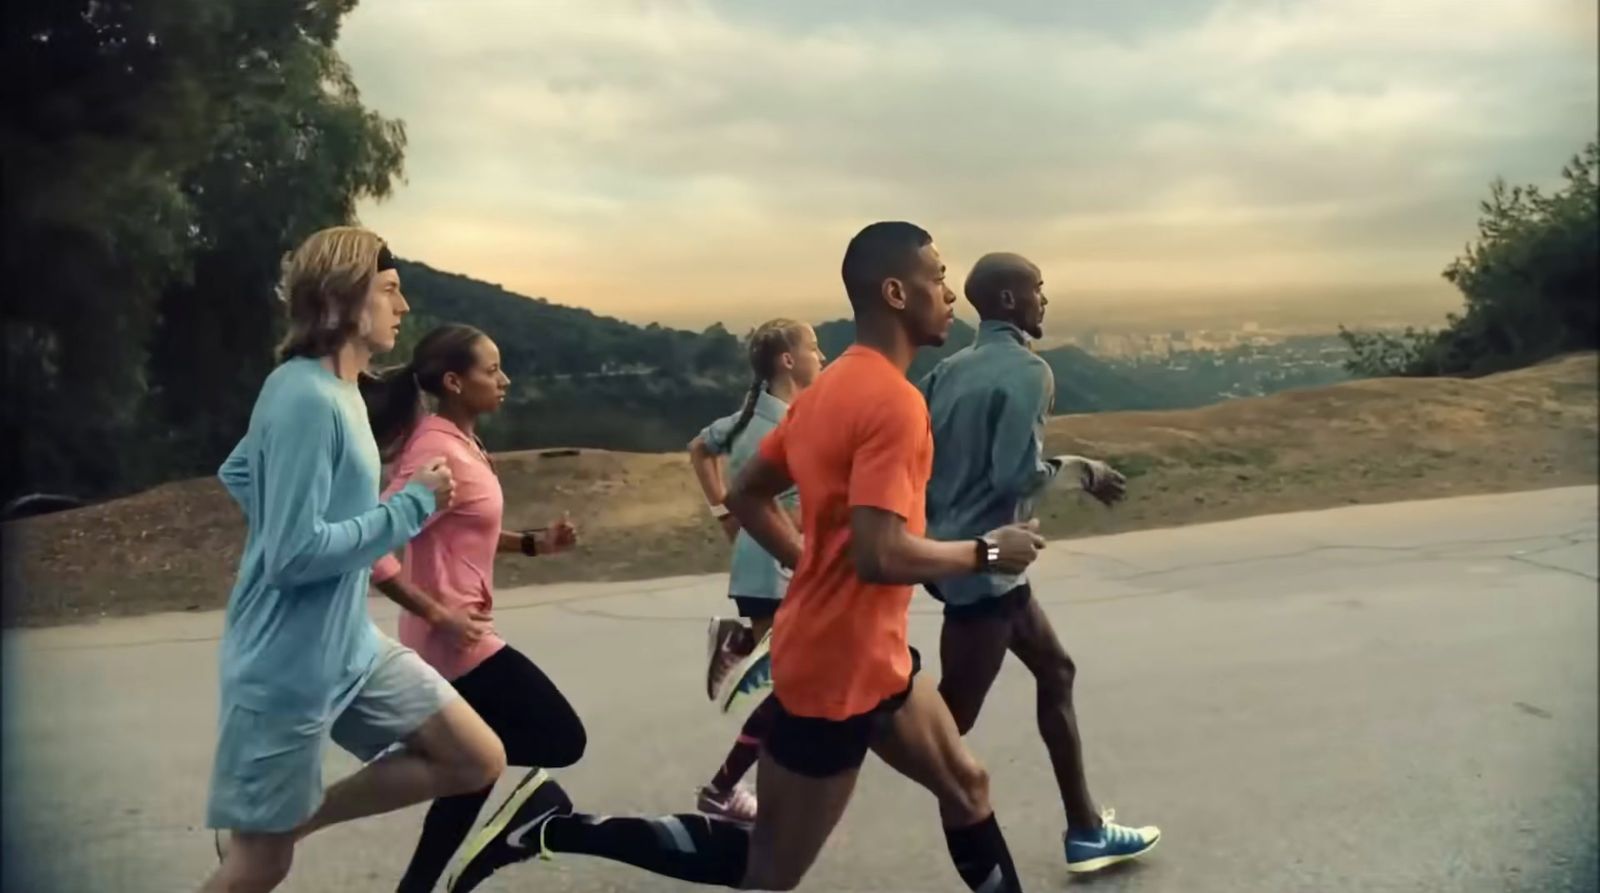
[[697, 160]]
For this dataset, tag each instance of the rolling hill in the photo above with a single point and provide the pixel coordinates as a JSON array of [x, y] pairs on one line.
[[584, 380], [540, 338], [1083, 383], [175, 547]]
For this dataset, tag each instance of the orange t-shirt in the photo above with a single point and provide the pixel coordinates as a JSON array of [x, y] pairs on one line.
[[858, 436]]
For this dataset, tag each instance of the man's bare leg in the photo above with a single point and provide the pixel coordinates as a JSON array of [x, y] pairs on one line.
[[1035, 643], [1092, 843], [971, 652], [798, 813], [922, 743], [454, 752], [255, 863]]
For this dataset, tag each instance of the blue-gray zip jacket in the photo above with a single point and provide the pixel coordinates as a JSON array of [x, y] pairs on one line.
[[988, 403]]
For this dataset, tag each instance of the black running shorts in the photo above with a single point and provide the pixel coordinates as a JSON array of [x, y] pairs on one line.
[[753, 608], [823, 748], [1003, 605]]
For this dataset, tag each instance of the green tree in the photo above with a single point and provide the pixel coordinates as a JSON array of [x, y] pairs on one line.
[[102, 109], [1530, 283], [718, 352], [161, 155], [1379, 354], [294, 154], [417, 323]]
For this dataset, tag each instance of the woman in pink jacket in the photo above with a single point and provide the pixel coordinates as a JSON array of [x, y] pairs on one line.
[[446, 581]]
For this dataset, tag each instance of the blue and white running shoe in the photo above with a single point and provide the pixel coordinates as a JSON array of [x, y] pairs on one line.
[[750, 678], [1109, 844]]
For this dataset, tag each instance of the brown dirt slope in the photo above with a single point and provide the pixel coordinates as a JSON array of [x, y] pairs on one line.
[[175, 547]]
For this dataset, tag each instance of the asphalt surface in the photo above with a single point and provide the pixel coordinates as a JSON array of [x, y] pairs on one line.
[[1398, 697]]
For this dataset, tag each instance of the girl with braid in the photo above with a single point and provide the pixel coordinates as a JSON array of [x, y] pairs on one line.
[[784, 359]]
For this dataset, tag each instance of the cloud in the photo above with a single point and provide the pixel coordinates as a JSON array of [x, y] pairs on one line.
[[689, 160]]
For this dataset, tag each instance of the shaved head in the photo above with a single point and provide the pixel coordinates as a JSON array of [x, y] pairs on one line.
[[997, 272], [1008, 287]]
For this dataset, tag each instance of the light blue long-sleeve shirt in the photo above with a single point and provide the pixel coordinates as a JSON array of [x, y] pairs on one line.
[[753, 573], [297, 635], [988, 403]]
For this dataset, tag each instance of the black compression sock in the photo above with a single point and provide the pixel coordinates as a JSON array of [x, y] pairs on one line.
[[747, 747], [691, 847], [981, 857]]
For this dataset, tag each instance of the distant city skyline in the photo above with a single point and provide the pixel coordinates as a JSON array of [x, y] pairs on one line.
[[1310, 310], [691, 161]]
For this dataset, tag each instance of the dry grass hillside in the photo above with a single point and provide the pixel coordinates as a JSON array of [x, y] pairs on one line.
[[175, 547]]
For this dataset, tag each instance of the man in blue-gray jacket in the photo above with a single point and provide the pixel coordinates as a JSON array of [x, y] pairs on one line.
[[988, 404]]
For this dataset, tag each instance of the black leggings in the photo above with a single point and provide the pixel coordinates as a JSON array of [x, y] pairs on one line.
[[538, 728]]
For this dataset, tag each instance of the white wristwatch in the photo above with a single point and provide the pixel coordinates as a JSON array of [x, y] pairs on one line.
[[718, 511]]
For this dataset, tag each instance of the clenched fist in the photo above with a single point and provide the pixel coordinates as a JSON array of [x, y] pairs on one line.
[[1097, 478], [435, 475]]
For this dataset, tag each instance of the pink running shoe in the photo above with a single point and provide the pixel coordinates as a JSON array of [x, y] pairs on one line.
[[727, 642], [737, 805]]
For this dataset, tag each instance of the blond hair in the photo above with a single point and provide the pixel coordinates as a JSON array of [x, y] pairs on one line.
[[770, 340], [324, 289]]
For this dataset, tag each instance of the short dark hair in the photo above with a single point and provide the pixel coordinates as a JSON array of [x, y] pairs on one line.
[[884, 250]]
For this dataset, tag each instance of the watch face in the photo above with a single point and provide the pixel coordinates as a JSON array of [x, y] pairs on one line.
[[989, 550]]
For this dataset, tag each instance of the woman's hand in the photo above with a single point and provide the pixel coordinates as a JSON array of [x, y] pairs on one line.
[[560, 536], [464, 627]]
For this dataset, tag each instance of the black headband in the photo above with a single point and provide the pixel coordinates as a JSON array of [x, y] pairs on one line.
[[385, 259]]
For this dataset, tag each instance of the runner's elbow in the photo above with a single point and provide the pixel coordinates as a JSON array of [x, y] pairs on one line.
[[879, 547], [747, 496], [871, 564], [739, 503]]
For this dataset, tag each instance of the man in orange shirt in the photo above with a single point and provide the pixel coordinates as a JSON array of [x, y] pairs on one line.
[[859, 447]]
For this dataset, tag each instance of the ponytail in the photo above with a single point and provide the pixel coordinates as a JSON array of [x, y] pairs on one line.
[[394, 396], [394, 406]]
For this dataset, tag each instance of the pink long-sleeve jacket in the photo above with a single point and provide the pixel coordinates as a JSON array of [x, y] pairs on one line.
[[452, 559]]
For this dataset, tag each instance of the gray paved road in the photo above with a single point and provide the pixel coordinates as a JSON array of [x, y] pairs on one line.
[[1378, 698]]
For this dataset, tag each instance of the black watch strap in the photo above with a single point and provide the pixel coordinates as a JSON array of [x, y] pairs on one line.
[[530, 543], [988, 551]]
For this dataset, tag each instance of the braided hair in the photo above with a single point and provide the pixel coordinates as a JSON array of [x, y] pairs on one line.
[[770, 341]]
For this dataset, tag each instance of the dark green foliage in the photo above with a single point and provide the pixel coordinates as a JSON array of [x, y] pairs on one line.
[[1530, 284], [538, 338], [580, 379], [160, 159]]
